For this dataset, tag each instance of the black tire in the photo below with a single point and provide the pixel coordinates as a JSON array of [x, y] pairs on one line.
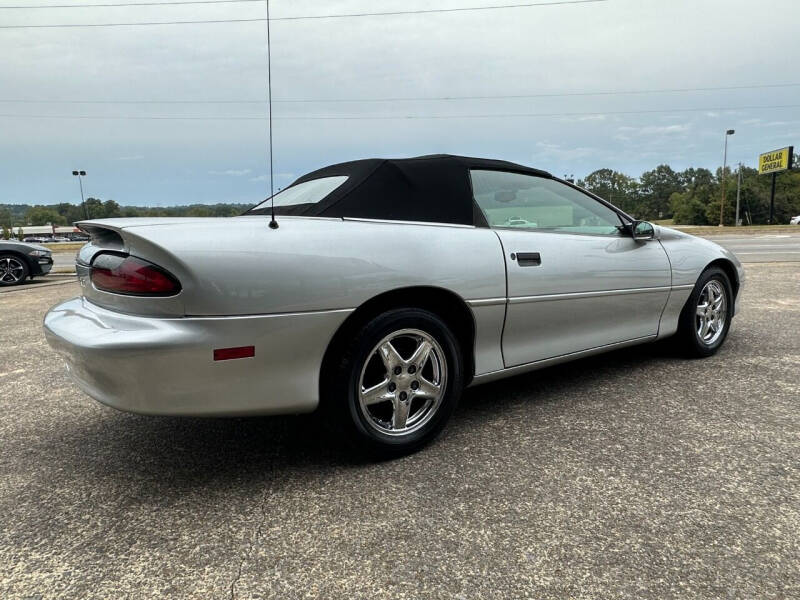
[[14, 261], [342, 385], [687, 338]]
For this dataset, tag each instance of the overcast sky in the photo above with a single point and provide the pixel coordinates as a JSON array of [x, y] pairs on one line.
[[402, 60]]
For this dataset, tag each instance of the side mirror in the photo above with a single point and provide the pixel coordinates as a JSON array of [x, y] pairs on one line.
[[642, 230]]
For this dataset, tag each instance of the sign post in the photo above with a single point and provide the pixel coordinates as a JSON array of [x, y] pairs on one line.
[[773, 163]]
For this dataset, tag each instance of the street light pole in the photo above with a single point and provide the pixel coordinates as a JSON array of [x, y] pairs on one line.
[[80, 175], [738, 194], [724, 165]]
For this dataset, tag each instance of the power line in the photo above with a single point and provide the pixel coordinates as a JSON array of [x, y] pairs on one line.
[[128, 4], [412, 98], [395, 117], [309, 17]]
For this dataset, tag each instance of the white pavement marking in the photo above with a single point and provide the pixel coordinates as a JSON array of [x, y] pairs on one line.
[[776, 252]]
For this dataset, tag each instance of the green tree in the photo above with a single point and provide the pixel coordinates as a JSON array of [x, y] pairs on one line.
[[111, 209], [70, 212], [199, 211], [692, 178], [95, 208], [5, 217], [657, 187], [690, 207], [617, 188], [43, 215]]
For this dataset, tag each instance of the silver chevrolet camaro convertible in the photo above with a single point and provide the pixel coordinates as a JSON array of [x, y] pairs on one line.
[[386, 288]]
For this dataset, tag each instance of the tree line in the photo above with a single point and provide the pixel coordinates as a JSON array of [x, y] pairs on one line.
[[13, 216], [694, 196], [689, 197]]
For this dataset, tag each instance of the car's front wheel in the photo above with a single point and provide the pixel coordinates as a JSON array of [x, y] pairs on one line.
[[397, 382], [706, 317], [13, 270]]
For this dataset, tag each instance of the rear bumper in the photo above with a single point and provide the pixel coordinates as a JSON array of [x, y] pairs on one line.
[[165, 366]]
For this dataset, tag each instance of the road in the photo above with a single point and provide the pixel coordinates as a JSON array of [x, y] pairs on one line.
[[64, 260], [762, 248], [636, 474]]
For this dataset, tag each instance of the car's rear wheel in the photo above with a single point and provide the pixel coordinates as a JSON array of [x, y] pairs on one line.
[[13, 270], [397, 382], [706, 317]]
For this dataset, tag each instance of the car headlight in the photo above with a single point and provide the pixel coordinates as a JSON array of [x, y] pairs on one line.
[[40, 253]]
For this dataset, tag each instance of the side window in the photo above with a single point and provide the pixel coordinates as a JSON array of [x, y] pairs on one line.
[[529, 202]]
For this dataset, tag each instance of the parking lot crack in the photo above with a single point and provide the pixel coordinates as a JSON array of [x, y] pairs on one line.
[[262, 519]]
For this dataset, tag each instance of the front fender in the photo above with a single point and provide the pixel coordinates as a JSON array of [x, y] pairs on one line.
[[689, 256]]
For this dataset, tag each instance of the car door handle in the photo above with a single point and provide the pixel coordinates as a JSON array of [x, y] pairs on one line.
[[528, 259]]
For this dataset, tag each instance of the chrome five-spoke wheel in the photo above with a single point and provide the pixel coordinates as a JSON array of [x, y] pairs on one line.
[[711, 313], [402, 382], [12, 271], [706, 316]]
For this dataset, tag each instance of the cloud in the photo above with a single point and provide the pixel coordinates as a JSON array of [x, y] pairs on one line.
[[563, 154], [133, 157], [278, 177], [232, 172], [582, 118], [627, 131]]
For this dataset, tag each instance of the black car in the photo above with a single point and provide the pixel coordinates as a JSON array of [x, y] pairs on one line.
[[19, 260]]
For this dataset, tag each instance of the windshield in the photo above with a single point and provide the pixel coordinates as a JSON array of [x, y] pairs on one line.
[[308, 192]]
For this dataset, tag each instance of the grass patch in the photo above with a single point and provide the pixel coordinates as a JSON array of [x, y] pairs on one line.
[[743, 230], [60, 247]]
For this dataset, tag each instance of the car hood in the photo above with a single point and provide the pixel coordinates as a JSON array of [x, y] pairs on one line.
[[22, 245]]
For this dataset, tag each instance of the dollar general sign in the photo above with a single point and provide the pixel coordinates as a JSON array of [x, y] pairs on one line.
[[774, 161]]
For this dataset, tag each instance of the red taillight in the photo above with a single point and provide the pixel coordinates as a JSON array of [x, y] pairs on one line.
[[132, 276], [232, 353]]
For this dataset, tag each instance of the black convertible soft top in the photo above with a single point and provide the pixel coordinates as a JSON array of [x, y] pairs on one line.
[[433, 189]]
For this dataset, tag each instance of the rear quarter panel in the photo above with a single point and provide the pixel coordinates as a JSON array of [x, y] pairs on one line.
[[241, 267]]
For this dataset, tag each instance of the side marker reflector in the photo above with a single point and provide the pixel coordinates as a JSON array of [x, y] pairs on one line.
[[231, 353]]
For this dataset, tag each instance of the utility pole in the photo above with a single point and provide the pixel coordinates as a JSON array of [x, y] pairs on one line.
[[772, 200], [724, 165], [80, 175], [738, 195]]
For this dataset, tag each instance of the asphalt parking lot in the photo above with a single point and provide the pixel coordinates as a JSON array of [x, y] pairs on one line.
[[635, 474]]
